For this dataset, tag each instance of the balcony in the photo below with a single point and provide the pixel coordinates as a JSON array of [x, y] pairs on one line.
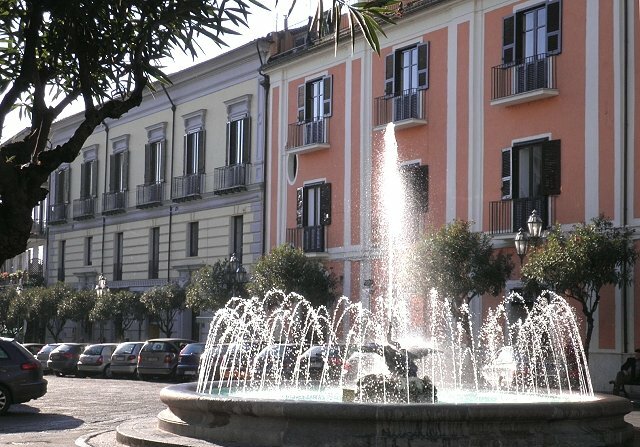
[[310, 239], [38, 228], [114, 202], [57, 213], [188, 187], [408, 109], [529, 80], [149, 195], [230, 179], [84, 208], [308, 136], [507, 216]]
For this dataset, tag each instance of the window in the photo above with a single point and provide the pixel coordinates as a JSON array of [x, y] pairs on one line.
[[61, 186], [61, 256], [406, 74], [119, 173], [314, 105], [88, 242], [529, 37], [193, 234], [313, 214], [118, 256], [237, 237], [238, 141], [154, 163], [415, 180], [89, 179], [530, 174], [154, 253], [194, 152]]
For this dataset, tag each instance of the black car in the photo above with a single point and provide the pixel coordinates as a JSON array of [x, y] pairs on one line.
[[188, 361], [63, 360], [21, 378]]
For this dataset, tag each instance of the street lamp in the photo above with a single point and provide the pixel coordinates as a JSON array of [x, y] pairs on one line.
[[522, 243], [101, 287], [534, 235], [236, 273], [534, 223]]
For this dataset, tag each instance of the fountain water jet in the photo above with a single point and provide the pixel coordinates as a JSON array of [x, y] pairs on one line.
[[537, 405]]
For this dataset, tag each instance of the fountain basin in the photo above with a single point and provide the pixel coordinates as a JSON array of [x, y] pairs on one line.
[[257, 422]]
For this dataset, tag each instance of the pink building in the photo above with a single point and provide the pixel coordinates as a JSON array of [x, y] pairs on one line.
[[500, 107]]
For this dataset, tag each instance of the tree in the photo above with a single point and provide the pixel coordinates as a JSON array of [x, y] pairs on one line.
[[103, 54], [460, 265], [210, 288], [122, 307], [163, 303], [12, 315], [288, 269], [578, 264]]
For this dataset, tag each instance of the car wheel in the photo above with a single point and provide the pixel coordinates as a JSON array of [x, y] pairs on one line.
[[59, 374], [107, 373], [80, 375], [5, 400]]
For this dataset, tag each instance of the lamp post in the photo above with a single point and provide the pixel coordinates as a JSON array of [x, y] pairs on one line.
[[524, 238], [101, 287], [236, 273]]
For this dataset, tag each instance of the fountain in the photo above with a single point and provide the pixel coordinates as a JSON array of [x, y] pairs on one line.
[[519, 381]]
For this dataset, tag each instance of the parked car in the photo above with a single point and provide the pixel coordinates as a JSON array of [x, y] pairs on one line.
[[216, 357], [189, 361], [21, 377], [63, 360], [315, 359], [95, 360], [159, 357], [43, 356], [33, 348], [277, 360], [124, 360], [362, 363], [238, 360]]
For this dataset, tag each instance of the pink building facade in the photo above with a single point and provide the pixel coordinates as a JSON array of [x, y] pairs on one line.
[[500, 107]]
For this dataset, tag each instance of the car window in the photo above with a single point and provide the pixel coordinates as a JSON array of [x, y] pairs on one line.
[[93, 350], [160, 346], [193, 348], [3, 354], [126, 349]]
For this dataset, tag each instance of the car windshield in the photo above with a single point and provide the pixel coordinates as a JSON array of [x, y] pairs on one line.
[[65, 348], [159, 346], [93, 350], [193, 348], [127, 348]]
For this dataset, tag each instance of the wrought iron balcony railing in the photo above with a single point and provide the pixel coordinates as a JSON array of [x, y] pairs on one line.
[[409, 107], [187, 187], [308, 136], [229, 179], [38, 228], [534, 73], [310, 239], [114, 202], [149, 195], [57, 213], [507, 216], [84, 208]]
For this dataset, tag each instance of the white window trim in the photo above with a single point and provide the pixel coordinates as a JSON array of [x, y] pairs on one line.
[[157, 132], [90, 153], [194, 121], [120, 144]]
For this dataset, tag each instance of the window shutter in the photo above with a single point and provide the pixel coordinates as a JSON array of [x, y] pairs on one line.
[[67, 185], [554, 26], [301, 96], [422, 188], [389, 74], [327, 87], [423, 65], [163, 160], [325, 204], [231, 156], [112, 173], [506, 174], [94, 178], [246, 140], [84, 193], [201, 151], [509, 39], [299, 207], [550, 181], [185, 156], [148, 165], [125, 170]]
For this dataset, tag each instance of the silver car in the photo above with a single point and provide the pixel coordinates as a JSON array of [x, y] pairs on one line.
[[96, 360], [159, 357], [43, 356], [124, 360]]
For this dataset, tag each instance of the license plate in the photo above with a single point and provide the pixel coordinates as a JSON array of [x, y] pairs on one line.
[[120, 357], [152, 359], [189, 373]]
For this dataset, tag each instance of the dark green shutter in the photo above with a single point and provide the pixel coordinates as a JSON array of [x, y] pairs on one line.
[[246, 140], [509, 39], [84, 192], [423, 65], [300, 207], [301, 102], [94, 178], [201, 151], [389, 74], [325, 204], [112, 173], [551, 178], [67, 185], [506, 174], [422, 188], [327, 87], [554, 26], [163, 160], [125, 170], [148, 164], [231, 156]]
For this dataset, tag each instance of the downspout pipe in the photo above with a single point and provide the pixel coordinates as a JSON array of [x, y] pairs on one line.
[[265, 83], [173, 127], [625, 157], [104, 189]]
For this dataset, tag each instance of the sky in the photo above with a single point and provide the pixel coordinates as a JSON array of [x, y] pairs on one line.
[[260, 22]]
